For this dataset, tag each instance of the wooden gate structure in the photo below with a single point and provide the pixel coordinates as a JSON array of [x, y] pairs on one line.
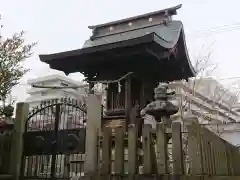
[[132, 56], [54, 140], [206, 157], [197, 154]]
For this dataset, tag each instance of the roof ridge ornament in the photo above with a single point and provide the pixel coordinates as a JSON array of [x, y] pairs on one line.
[[169, 11], [137, 22]]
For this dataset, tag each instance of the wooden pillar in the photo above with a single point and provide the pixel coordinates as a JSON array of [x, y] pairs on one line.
[[162, 150], [132, 150], [128, 99], [177, 150], [106, 93], [91, 85], [147, 142], [17, 140], [119, 151], [106, 167], [93, 128], [142, 95]]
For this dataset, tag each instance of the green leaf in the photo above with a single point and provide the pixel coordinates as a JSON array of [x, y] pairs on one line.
[[13, 52]]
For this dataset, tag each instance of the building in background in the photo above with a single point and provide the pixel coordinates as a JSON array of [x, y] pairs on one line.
[[77, 91], [38, 95], [230, 132], [215, 107], [208, 100]]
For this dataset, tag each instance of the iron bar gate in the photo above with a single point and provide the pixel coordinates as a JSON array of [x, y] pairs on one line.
[[54, 141]]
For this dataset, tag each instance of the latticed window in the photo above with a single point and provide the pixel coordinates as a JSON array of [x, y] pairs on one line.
[[64, 84]]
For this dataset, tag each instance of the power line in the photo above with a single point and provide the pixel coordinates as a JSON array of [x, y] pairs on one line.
[[229, 78], [219, 29], [221, 26]]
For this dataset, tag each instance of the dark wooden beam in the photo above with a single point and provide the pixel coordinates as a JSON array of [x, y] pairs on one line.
[[128, 99]]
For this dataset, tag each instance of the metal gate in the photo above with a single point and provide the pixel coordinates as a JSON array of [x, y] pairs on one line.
[[54, 141]]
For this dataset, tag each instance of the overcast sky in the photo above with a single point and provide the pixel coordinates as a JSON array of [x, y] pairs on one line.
[[60, 25]]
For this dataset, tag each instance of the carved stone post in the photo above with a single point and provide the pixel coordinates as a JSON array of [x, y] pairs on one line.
[[92, 129], [17, 141]]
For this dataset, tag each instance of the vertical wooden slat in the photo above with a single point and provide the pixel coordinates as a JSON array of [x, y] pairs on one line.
[[225, 163], [132, 150], [230, 159], [230, 149], [209, 158], [142, 95], [200, 149], [154, 157], [106, 151], [226, 169], [133, 115], [147, 158], [211, 152], [217, 145], [162, 153], [203, 145], [119, 151], [236, 161], [233, 161], [194, 150], [177, 153], [205, 149], [221, 158], [213, 157], [128, 99]]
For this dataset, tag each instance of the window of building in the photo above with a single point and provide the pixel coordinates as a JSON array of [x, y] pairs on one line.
[[64, 84], [43, 93], [86, 90], [65, 95]]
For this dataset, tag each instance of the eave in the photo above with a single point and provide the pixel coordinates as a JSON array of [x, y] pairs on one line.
[[148, 45]]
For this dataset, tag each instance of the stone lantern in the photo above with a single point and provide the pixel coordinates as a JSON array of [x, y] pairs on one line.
[[8, 111], [164, 106]]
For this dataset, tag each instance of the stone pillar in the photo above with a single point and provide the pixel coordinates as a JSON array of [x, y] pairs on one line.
[[93, 128], [17, 140]]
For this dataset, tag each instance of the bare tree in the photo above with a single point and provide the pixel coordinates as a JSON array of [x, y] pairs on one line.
[[204, 68]]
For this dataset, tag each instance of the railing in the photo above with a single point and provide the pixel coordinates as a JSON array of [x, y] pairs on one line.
[[122, 153], [164, 152], [211, 155]]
